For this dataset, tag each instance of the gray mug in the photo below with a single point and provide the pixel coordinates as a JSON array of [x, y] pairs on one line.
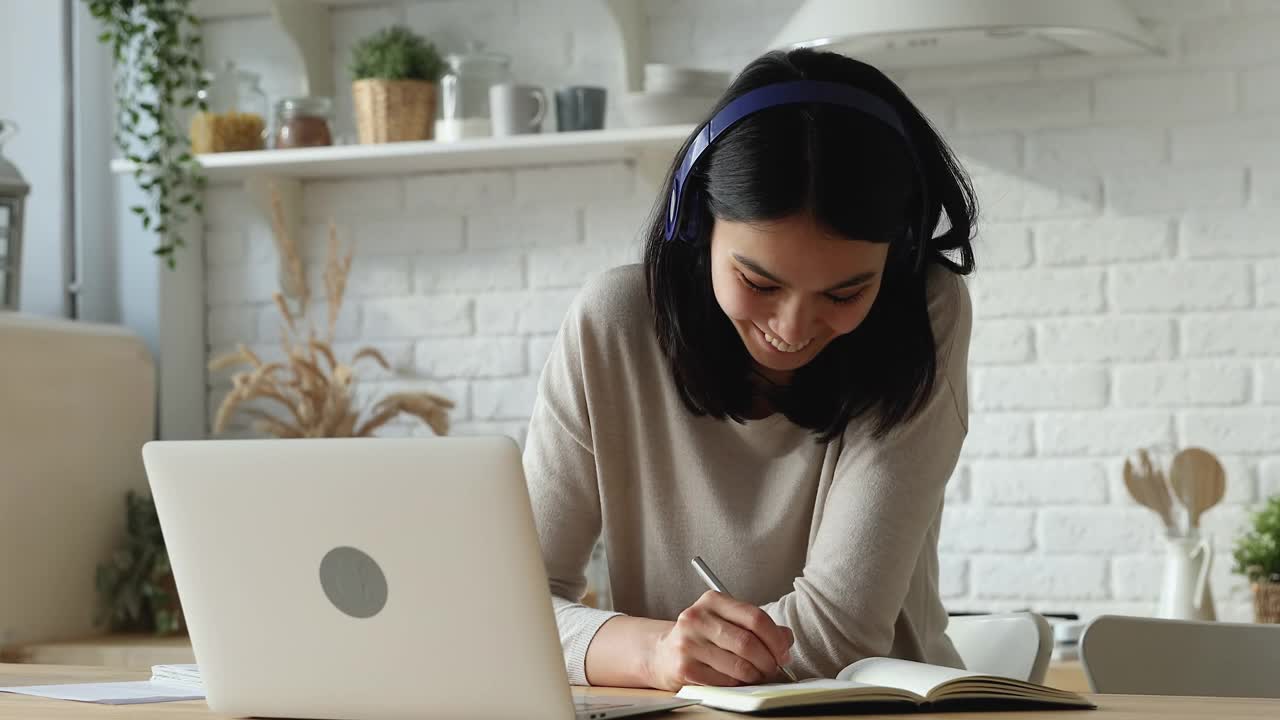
[[516, 109], [580, 107]]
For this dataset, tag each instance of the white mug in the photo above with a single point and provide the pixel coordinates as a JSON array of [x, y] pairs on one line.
[[516, 109]]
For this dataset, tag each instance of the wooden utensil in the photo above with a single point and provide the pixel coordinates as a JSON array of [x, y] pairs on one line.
[[1147, 486], [1199, 481]]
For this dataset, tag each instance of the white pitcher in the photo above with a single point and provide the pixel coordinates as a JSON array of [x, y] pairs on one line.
[[1185, 595]]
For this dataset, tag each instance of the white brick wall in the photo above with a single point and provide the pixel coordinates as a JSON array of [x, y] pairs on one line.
[[1128, 292]]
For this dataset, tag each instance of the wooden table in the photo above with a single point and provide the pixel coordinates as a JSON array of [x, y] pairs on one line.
[[1110, 707], [119, 651], [140, 652]]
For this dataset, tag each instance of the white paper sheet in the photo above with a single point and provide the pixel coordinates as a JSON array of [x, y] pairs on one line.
[[116, 693]]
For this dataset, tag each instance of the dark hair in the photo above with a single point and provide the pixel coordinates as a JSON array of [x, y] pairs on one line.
[[852, 174]]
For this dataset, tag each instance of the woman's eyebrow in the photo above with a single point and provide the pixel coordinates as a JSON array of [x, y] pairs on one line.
[[755, 267]]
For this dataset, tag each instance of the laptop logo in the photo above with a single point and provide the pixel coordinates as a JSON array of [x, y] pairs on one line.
[[353, 582]]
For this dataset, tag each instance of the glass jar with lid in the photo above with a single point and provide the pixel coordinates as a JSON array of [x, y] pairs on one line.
[[235, 117], [303, 122], [464, 91]]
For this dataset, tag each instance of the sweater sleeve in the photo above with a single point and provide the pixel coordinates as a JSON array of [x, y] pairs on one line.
[[560, 469], [885, 496]]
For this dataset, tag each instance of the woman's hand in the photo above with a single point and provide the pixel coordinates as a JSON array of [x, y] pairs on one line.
[[720, 641]]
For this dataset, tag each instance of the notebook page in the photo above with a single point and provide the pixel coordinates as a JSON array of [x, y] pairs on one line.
[[919, 678], [110, 693], [770, 690]]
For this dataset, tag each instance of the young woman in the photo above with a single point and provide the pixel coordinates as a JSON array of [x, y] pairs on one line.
[[779, 389]]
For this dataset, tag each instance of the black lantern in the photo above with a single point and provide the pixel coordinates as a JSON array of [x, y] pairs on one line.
[[13, 194]]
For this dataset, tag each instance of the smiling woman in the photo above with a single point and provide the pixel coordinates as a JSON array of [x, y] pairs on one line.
[[853, 183], [780, 389], [788, 315]]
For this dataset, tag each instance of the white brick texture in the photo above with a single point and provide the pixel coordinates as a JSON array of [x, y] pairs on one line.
[[468, 272], [1232, 334], [1247, 235], [1269, 382], [1094, 148], [1178, 286], [973, 529], [1127, 292], [1177, 96], [1242, 430], [461, 191], [1269, 482], [471, 357], [1103, 338], [414, 317], [1046, 578], [1132, 192], [1038, 482], [1267, 273], [523, 228], [1037, 292], [997, 342], [1175, 385], [1102, 240], [1039, 387], [1113, 433], [1043, 105], [1003, 245], [1096, 530]]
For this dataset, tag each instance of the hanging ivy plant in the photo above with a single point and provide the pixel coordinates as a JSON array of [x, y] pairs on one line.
[[156, 45]]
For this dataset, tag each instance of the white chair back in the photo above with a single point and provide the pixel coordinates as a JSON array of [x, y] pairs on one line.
[[1015, 645], [1153, 656]]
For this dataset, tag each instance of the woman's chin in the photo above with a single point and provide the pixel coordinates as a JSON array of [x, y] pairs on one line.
[[770, 361]]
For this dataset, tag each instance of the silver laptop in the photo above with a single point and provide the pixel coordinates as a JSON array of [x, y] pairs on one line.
[[365, 578]]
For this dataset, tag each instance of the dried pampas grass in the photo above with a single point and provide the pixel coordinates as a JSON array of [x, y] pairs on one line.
[[312, 386]]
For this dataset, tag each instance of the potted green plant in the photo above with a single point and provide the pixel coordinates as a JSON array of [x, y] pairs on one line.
[[136, 589], [1257, 557], [394, 79]]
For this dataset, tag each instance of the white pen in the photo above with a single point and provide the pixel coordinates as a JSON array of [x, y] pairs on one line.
[[714, 583]]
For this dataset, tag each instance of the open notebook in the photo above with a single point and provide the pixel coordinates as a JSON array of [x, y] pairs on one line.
[[890, 681]]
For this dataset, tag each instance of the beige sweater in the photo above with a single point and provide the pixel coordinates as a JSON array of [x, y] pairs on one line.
[[836, 541]]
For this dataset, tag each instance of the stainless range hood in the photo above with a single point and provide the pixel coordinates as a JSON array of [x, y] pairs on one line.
[[940, 33]]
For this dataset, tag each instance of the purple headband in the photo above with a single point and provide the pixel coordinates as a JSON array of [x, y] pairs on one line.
[[784, 93]]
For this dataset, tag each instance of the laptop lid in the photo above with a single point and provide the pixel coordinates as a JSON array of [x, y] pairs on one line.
[[361, 578]]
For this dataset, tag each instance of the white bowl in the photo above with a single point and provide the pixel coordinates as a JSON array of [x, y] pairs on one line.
[[660, 77], [645, 109]]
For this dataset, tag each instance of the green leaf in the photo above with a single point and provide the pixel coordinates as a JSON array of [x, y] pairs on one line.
[[156, 46], [396, 53]]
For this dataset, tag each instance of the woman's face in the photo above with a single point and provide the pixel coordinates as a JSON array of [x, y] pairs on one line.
[[790, 287]]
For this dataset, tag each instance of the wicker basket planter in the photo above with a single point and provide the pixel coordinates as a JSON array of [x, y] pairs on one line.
[[394, 110], [1266, 602]]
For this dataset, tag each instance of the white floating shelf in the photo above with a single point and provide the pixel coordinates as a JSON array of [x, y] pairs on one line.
[[344, 161], [212, 9]]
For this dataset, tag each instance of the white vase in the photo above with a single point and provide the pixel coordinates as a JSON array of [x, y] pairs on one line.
[[1185, 594]]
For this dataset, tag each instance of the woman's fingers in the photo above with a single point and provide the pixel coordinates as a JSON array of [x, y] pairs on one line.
[[699, 673], [705, 622], [739, 669], [776, 639]]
